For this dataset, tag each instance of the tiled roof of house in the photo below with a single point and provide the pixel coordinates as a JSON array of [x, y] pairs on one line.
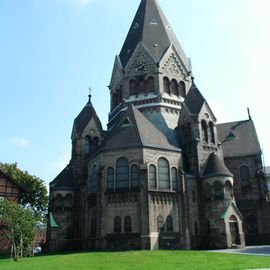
[[215, 167], [152, 29], [84, 117], [135, 130], [64, 179], [238, 139]]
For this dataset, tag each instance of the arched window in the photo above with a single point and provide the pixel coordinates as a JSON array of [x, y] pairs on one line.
[[152, 177], [169, 224], [160, 224], [166, 85], [68, 201], [174, 179], [174, 88], [119, 94], [151, 85], [59, 203], [194, 196], [228, 190], [110, 178], [93, 180], [95, 142], [205, 131], [196, 228], [163, 174], [218, 191], [117, 225], [141, 86], [122, 173], [114, 100], [244, 176], [93, 230], [182, 89], [132, 87], [251, 224], [212, 132], [135, 176], [207, 192], [87, 146], [128, 224]]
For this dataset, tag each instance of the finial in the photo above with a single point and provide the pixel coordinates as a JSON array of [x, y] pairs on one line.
[[249, 116], [90, 92]]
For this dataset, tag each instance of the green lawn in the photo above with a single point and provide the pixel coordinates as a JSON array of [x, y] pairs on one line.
[[138, 260]]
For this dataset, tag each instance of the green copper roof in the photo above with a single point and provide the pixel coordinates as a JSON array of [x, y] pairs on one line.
[[224, 214], [53, 222]]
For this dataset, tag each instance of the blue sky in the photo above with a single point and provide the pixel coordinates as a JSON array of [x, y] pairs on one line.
[[53, 50]]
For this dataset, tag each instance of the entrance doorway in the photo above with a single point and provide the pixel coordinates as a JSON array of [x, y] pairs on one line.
[[234, 229]]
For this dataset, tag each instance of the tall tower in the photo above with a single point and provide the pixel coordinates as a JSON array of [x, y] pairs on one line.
[[152, 71]]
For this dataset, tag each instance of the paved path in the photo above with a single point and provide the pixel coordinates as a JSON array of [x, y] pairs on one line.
[[251, 250]]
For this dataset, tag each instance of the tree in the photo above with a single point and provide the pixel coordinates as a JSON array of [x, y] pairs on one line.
[[19, 227], [35, 198]]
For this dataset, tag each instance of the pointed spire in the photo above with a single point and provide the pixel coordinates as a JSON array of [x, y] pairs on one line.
[[249, 115], [89, 96], [152, 29]]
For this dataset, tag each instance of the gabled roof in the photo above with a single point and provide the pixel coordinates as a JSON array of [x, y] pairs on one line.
[[135, 130], [215, 167], [244, 141], [82, 120], [236, 210], [9, 177], [151, 27], [194, 100], [64, 180]]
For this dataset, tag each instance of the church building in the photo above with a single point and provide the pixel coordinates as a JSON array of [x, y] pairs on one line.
[[164, 174]]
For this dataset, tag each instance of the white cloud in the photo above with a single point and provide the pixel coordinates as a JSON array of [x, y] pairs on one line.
[[20, 142], [62, 161]]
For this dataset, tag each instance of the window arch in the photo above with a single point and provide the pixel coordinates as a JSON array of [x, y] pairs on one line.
[[205, 130], [174, 179], [151, 84], [218, 191], [196, 228], [128, 224], [212, 132], [174, 87], [169, 224], [163, 174], [182, 89], [244, 176], [141, 86], [110, 178], [122, 173], [152, 176], [68, 201], [228, 190], [251, 224], [93, 180], [194, 196], [135, 176], [117, 225], [132, 87], [59, 202], [114, 100], [166, 85], [160, 223], [87, 146]]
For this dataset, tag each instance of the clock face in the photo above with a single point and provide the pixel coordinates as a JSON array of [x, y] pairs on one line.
[[141, 67]]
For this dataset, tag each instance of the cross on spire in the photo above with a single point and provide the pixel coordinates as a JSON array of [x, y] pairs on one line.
[[90, 93]]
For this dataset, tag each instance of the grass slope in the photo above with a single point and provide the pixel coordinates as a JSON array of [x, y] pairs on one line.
[[138, 260]]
